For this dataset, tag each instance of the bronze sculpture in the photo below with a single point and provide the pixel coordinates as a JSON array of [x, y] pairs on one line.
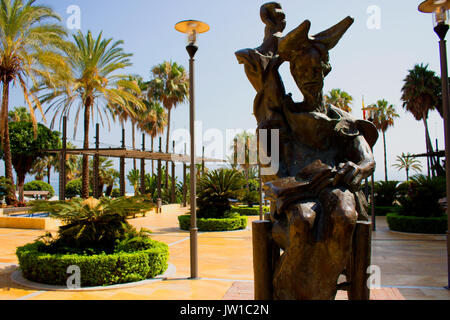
[[325, 153]]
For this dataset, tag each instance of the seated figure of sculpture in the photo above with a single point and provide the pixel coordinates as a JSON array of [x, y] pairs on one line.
[[325, 153]]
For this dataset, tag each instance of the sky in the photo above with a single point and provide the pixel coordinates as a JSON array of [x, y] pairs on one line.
[[386, 40]]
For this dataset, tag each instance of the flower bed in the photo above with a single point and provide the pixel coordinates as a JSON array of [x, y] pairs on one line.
[[214, 224], [121, 266], [435, 225]]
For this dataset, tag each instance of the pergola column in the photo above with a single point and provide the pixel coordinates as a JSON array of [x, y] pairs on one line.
[[173, 198], [62, 162], [143, 166], [122, 167], [96, 191]]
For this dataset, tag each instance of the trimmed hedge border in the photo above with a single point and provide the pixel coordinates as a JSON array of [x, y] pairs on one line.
[[433, 225], [96, 270], [203, 224], [249, 211]]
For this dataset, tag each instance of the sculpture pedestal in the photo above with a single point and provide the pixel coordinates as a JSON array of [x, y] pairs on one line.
[[265, 254]]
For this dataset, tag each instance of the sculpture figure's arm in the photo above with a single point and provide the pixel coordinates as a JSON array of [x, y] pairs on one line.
[[361, 164]]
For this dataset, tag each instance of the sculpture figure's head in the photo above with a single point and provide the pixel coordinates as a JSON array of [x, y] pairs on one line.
[[273, 17], [308, 56]]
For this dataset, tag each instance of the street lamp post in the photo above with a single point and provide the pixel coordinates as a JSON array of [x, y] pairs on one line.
[[440, 11], [192, 28]]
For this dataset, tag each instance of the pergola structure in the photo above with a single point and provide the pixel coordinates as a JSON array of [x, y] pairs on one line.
[[124, 153]]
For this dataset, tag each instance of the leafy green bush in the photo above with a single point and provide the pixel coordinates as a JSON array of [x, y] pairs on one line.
[[73, 188], [435, 225], [423, 196], [115, 193], [39, 185], [233, 222], [92, 224], [385, 193], [96, 270], [215, 189], [5, 187], [249, 211]]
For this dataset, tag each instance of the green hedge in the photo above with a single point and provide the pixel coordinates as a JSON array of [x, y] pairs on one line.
[[96, 270], [38, 185], [249, 211], [436, 225], [213, 224]]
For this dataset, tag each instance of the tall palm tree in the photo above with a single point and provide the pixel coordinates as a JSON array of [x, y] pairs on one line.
[[153, 121], [133, 112], [170, 85], [339, 99], [92, 85], [407, 162], [383, 118], [29, 47], [421, 93]]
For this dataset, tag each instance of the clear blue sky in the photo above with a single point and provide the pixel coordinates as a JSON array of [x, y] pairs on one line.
[[369, 62]]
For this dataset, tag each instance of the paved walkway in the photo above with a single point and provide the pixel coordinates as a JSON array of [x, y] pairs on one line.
[[412, 266]]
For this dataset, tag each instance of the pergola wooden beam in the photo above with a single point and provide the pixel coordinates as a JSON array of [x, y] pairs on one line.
[[138, 154]]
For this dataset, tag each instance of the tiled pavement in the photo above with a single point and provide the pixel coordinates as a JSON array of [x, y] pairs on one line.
[[412, 266]]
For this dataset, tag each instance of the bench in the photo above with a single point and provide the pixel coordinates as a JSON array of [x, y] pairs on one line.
[[34, 194]]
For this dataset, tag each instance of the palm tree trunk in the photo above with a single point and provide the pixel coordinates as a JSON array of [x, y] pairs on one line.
[[385, 159], [133, 139], [428, 144], [85, 163], [407, 174], [49, 167], [167, 146], [153, 165], [20, 183], [11, 196]]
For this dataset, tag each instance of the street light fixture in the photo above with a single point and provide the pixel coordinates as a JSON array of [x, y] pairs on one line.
[[440, 10], [192, 28]]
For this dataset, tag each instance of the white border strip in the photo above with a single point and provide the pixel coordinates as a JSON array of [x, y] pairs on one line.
[[18, 278]]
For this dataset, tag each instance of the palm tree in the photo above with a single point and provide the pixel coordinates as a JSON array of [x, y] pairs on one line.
[[421, 93], [383, 118], [339, 99], [152, 121], [93, 86], [29, 47], [170, 85], [407, 162]]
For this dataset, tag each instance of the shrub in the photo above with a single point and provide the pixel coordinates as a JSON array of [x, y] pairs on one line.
[[115, 193], [233, 222], [73, 188], [39, 185], [91, 223], [96, 270], [423, 196], [436, 225], [5, 187], [215, 189], [249, 211], [385, 193]]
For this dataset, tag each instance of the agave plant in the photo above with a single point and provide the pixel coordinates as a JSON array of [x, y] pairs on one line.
[[92, 224], [215, 189]]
